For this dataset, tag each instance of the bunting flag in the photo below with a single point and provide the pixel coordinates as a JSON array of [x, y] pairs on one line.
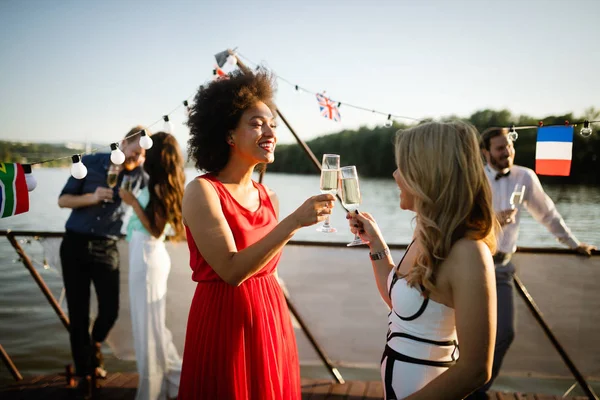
[[14, 196], [218, 73], [328, 108], [554, 150]]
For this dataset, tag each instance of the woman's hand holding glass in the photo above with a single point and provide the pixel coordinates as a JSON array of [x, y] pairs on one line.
[[126, 196], [363, 224], [314, 210]]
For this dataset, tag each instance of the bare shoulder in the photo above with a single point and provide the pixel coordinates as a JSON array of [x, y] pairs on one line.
[[198, 187], [270, 192], [274, 199], [470, 254], [198, 193]]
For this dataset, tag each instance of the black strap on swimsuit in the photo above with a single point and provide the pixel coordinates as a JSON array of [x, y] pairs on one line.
[[395, 279], [393, 356]]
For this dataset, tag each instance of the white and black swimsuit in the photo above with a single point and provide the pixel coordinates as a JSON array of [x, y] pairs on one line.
[[421, 339]]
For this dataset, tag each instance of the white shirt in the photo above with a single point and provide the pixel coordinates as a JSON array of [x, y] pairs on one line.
[[536, 201]]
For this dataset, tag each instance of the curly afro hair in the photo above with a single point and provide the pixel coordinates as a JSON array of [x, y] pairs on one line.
[[217, 110]]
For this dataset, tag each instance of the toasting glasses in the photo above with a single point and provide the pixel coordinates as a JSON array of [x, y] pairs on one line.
[[351, 198], [330, 169]]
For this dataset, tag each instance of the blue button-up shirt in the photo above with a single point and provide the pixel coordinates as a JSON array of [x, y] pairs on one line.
[[104, 219]]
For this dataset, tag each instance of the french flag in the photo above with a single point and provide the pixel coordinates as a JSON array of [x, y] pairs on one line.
[[554, 149]]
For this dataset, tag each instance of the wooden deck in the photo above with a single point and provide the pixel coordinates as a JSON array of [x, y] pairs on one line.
[[121, 386]]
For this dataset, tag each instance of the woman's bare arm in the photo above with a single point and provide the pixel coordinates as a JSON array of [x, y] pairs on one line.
[[204, 217]]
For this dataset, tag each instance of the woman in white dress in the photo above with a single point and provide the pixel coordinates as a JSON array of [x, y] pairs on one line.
[[443, 290], [157, 207]]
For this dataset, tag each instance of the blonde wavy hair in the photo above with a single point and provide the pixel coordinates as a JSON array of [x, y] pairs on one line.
[[441, 164]]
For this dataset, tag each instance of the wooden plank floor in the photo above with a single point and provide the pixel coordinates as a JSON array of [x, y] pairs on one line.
[[121, 386]]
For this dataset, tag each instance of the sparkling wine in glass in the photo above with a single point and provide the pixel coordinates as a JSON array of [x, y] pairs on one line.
[[112, 178], [330, 169], [126, 183], [516, 198], [351, 198]]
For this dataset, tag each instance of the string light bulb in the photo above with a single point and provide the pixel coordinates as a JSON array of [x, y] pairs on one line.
[[78, 170], [388, 122], [512, 134], [117, 157], [29, 178], [187, 108], [586, 130], [167, 125], [145, 141]]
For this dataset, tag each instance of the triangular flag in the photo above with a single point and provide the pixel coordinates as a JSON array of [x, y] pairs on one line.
[[14, 196], [218, 73], [328, 108], [554, 150], [222, 58]]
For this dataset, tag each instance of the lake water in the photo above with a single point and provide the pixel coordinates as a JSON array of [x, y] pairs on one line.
[[37, 342]]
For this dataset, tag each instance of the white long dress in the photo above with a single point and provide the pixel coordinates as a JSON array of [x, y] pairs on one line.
[[157, 359]]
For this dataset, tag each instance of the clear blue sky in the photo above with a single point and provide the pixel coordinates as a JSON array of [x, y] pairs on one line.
[[89, 70]]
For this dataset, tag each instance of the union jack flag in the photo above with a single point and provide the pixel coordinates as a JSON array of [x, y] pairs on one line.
[[328, 108]]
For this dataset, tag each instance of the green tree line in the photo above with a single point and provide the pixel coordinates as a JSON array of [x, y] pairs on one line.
[[372, 150], [59, 154], [19, 152]]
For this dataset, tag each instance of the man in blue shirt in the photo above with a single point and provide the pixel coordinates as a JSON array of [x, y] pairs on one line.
[[89, 251]]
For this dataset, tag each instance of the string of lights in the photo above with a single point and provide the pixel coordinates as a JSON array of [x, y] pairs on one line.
[[79, 171], [585, 131]]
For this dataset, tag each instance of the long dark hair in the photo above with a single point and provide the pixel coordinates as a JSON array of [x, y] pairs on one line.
[[164, 165]]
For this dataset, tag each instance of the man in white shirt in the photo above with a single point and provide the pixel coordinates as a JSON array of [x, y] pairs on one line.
[[504, 176]]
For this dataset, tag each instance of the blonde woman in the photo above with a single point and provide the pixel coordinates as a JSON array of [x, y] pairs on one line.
[[443, 290]]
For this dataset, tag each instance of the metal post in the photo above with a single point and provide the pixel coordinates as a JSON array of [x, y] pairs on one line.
[[38, 279], [10, 365], [537, 314]]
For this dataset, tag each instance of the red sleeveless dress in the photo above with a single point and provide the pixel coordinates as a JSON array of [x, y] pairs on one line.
[[239, 343]]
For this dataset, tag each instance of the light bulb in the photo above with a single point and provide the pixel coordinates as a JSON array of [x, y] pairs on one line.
[[29, 178], [231, 60], [78, 170], [512, 134], [167, 127], [388, 122], [145, 141], [187, 108], [117, 157], [586, 130]]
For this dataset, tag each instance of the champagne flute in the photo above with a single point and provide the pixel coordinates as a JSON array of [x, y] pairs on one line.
[[330, 169], [516, 198], [351, 198], [112, 178], [126, 183]]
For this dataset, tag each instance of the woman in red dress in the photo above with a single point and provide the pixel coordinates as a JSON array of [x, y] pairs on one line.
[[240, 343]]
